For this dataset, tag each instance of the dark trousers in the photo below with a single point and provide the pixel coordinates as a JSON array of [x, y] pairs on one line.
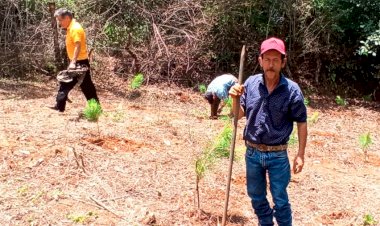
[[87, 88], [214, 107]]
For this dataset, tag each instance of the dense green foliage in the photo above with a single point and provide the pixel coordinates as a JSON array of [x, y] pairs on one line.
[[335, 43]]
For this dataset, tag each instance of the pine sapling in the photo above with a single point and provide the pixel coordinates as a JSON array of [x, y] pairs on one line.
[[365, 141], [93, 111]]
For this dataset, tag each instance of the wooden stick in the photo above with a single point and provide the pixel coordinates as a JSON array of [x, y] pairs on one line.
[[99, 203], [232, 151]]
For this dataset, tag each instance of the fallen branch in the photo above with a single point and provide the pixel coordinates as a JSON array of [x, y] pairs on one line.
[[40, 70], [116, 198], [99, 203], [79, 160]]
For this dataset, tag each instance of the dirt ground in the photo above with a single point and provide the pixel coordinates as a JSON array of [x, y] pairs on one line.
[[56, 169]]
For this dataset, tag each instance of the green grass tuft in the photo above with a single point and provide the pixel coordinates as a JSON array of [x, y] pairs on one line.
[[369, 220], [365, 140], [137, 81], [340, 101], [306, 101], [202, 88], [314, 118]]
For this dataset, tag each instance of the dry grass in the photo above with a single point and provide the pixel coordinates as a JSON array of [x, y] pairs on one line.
[[55, 169]]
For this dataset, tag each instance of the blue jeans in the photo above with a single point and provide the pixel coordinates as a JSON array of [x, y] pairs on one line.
[[278, 168]]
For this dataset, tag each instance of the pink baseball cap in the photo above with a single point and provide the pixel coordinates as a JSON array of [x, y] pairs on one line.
[[273, 43]]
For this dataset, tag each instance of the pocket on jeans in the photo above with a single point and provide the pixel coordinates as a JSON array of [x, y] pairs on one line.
[[280, 154], [250, 152]]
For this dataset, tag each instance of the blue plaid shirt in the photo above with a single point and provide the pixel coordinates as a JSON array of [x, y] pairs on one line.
[[270, 117]]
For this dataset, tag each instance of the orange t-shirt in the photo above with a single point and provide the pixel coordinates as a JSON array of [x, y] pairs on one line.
[[75, 33]]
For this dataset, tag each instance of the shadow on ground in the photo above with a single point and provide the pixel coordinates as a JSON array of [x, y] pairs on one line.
[[26, 90], [217, 220], [329, 103]]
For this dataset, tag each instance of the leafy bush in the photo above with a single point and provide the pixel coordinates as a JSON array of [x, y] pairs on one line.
[[367, 97], [371, 45], [340, 101], [137, 81], [93, 110], [191, 40]]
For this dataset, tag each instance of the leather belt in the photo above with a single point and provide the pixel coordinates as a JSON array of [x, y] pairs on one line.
[[264, 147]]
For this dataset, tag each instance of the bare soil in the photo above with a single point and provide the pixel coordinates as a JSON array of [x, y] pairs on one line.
[[56, 169]]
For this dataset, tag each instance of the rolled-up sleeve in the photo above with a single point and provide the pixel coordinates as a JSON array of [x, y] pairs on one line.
[[298, 109]]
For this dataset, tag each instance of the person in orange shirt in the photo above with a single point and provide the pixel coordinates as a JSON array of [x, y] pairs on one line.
[[76, 48]]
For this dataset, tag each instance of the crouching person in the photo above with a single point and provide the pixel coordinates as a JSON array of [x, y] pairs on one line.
[[217, 92]]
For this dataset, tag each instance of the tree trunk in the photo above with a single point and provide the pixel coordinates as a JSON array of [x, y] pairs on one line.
[[58, 60]]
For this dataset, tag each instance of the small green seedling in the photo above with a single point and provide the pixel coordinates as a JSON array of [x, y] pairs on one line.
[[203, 162], [369, 220], [23, 190], [340, 101], [365, 141], [219, 149], [81, 218], [92, 111], [367, 98], [202, 88], [314, 118], [137, 81], [306, 101], [35, 198]]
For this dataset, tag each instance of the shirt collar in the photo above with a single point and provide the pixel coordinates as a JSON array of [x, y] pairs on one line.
[[71, 24], [281, 83]]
